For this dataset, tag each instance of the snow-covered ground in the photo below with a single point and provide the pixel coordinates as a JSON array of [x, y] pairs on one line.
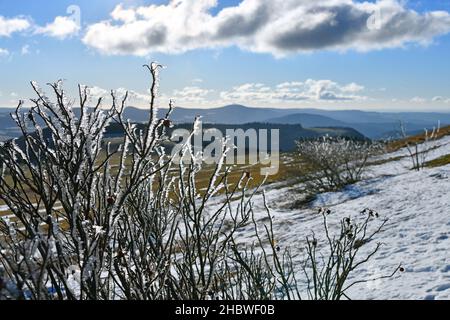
[[417, 235]]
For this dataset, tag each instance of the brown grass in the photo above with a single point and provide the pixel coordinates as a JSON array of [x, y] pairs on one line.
[[417, 139], [439, 162], [289, 169]]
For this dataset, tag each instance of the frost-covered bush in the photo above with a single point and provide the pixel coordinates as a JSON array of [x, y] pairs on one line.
[[331, 163], [93, 221], [418, 149], [333, 256], [88, 220]]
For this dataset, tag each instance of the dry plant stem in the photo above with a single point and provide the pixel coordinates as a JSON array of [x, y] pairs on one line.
[[328, 274], [418, 151]]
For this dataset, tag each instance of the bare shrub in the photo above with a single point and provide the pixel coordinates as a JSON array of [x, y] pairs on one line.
[[92, 221], [332, 163], [334, 257], [418, 149]]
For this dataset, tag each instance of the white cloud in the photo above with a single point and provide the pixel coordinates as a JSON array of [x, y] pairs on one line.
[[121, 14], [187, 96], [278, 27], [418, 100], [4, 52], [313, 93], [191, 95], [438, 99], [441, 99], [61, 28], [352, 87], [25, 50], [310, 90], [97, 92], [9, 26], [134, 98]]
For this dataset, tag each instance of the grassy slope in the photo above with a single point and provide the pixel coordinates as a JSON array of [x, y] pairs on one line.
[[439, 162], [420, 138]]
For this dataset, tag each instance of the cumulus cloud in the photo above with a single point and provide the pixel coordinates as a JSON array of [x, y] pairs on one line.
[[309, 90], [278, 27], [9, 26], [437, 99], [191, 95], [96, 92], [61, 28], [440, 99], [291, 93]]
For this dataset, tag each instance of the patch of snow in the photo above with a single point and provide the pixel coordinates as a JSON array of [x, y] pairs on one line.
[[417, 235]]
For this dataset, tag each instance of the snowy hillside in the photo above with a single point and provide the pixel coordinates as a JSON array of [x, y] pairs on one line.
[[417, 235]]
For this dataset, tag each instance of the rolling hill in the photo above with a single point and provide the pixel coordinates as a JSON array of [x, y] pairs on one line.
[[288, 133], [308, 120], [374, 125]]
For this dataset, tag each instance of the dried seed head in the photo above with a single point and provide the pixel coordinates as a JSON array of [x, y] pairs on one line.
[[167, 123], [401, 269], [110, 200], [359, 243]]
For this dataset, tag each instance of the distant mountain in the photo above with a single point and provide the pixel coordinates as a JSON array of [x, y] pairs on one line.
[[308, 120], [8, 127], [231, 114], [288, 133], [374, 125]]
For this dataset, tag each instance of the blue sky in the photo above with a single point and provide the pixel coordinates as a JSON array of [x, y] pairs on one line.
[[376, 55]]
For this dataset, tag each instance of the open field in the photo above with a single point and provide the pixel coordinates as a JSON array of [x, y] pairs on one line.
[[289, 164]]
